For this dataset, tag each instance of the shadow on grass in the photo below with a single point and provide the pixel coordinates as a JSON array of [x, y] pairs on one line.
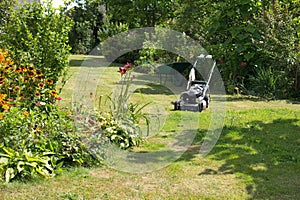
[[92, 61], [154, 89], [75, 62], [237, 98], [294, 101], [265, 156]]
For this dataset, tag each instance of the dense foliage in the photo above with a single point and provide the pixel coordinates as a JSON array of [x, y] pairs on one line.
[[38, 34], [88, 19], [249, 38], [36, 138], [256, 44]]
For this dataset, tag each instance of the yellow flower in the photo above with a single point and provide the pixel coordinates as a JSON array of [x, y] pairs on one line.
[[18, 70], [2, 59], [31, 74], [3, 96], [2, 115], [2, 80], [39, 73], [23, 69], [5, 107], [16, 88], [26, 114], [53, 93], [7, 68], [41, 85], [37, 94]]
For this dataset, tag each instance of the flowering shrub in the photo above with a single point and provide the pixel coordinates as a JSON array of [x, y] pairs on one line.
[[35, 137], [23, 85], [122, 124], [37, 33]]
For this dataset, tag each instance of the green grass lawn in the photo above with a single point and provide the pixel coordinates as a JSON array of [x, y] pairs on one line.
[[256, 156]]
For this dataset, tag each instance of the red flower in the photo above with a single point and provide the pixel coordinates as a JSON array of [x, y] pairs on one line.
[[58, 98], [127, 66], [243, 64], [122, 70]]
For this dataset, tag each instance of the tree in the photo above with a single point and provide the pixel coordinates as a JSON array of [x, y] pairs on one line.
[[38, 34], [88, 19], [247, 37], [140, 13], [6, 8]]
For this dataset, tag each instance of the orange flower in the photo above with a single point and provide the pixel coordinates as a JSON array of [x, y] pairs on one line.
[[53, 93], [41, 85], [49, 81], [30, 74], [37, 94], [39, 73], [2, 115], [31, 68], [26, 114]]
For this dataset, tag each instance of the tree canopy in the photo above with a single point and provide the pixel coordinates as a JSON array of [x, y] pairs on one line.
[[254, 41]]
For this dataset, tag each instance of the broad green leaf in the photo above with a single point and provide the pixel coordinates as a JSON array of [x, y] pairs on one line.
[[19, 168], [3, 160], [9, 174], [9, 151], [5, 155]]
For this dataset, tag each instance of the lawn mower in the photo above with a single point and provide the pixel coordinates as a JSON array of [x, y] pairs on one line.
[[196, 97]]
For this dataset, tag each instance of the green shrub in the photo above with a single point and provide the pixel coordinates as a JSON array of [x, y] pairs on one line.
[[124, 133], [121, 125], [38, 34], [35, 137], [38, 142]]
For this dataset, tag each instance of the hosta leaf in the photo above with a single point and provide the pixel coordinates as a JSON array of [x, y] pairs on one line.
[[32, 164], [43, 172], [9, 174], [4, 155], [3, 161], [19, 168], [48, 153], [9, 151]]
